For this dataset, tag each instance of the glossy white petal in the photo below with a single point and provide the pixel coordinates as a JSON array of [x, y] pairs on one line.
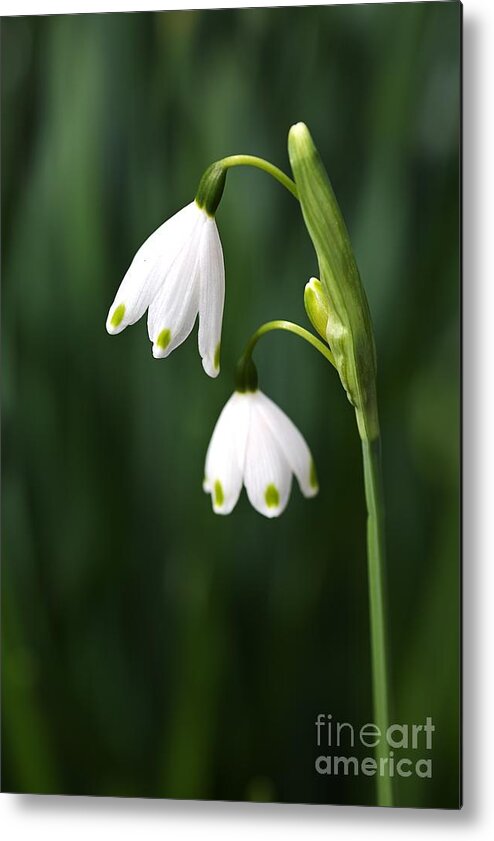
[[211, 298], [267, 476], [174, 309], [150, 265], [291, 442], [226, 454]]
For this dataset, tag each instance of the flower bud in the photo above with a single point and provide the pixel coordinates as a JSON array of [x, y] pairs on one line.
[[349, 328], [317, 306]]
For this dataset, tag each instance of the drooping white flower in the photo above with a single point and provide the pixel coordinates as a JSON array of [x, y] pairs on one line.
[[177, 273], [255, 444]]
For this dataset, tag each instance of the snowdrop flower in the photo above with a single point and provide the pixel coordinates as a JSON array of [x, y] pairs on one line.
[[254, 443], [177, 273]]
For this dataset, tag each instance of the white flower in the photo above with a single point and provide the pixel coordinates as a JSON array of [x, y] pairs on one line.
[[254, 443], [178, 272]]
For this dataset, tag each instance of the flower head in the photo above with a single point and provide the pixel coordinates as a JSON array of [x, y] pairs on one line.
[[177, 273], [254, 443]]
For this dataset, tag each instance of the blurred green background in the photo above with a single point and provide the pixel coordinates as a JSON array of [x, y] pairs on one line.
[[151, 648]]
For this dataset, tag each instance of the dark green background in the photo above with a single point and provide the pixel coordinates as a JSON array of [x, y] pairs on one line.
[[151, 648]]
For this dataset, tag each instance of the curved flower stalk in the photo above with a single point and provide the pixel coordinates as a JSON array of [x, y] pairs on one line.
[[176, 274], [255, 444]]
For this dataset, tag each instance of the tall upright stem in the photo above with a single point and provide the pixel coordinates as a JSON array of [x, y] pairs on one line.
[[371, 451]]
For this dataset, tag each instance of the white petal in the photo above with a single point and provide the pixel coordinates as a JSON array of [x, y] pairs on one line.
[[150, 266], [174, 310], [292, 443], [211, 298], [268, 477], [226, 454]]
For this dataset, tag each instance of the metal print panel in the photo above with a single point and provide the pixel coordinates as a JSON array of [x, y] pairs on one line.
[[230, 310]]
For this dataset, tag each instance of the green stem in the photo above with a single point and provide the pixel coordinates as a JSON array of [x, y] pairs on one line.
[[290, 327], [371, 451], [260, 163]]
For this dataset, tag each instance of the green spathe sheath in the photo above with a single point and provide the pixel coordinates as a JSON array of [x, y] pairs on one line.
[[349, 328]]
